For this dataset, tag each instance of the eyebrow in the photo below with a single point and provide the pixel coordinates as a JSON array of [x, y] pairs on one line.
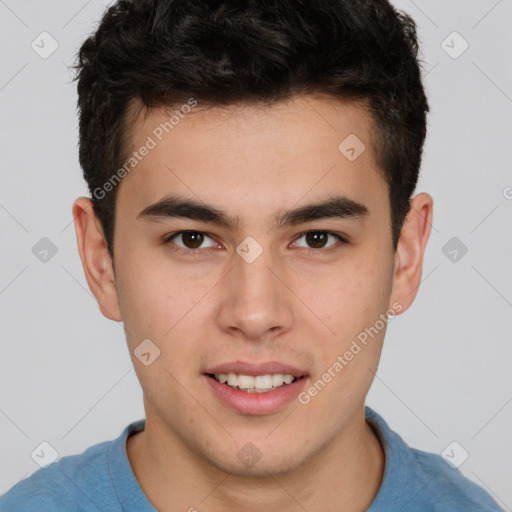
[[340, 207]]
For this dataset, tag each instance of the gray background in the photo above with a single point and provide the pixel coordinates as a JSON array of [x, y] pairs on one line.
[[65, 373]]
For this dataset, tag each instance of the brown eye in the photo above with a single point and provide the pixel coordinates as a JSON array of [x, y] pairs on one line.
[[190, 240], [319, 239], [316, 240]]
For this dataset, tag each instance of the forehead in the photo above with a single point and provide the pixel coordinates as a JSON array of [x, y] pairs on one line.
[[253, 158]]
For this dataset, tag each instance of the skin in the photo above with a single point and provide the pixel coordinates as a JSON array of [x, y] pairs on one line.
[[295, 303]]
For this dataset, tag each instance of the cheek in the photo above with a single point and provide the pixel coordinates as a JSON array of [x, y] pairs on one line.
[[351, 298], [352, 304], [360, 320], [153, 297], [166, 305]]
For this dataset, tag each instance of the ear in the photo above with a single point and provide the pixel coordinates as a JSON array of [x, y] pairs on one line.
[[96, 259], [410, 251]]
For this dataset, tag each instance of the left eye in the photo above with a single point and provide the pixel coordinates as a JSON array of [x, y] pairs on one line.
[[318, 239]]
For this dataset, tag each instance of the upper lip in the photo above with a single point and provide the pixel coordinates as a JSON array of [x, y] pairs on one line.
[[254, 369]]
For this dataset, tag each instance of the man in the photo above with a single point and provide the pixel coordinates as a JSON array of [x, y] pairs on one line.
[[251, 222]]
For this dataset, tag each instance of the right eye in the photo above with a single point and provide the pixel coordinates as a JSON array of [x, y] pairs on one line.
[[191, 241]]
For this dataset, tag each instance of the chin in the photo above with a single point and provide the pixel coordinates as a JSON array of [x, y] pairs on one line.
[[244, 458], [274, 465]]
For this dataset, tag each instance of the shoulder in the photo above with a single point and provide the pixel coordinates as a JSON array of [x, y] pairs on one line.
[[447, 488], [75, 482], [67, 484], [415, 480]]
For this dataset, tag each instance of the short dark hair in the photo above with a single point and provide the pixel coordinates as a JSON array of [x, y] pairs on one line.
[[223, 52]]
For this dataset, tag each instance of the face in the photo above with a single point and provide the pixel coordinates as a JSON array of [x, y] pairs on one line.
[[252, 282]]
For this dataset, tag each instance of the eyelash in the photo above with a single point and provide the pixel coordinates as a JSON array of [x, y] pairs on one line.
[[196, 252]]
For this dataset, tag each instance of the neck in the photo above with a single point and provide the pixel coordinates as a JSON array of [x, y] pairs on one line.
[[344, 476]]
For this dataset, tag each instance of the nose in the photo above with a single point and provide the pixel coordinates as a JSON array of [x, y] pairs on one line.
[[256, 299]]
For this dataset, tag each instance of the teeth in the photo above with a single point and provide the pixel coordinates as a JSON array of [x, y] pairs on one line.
[[245, 382], [288, 379], [251, 384], [263, 382], [277, 379]]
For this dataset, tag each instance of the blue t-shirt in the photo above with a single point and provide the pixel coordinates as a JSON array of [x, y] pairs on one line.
[[101, 479]]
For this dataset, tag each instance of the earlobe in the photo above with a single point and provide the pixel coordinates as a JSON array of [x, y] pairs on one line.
[[95, 257], [411, 249]]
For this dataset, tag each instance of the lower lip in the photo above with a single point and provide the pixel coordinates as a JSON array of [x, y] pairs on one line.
[[256, 403]]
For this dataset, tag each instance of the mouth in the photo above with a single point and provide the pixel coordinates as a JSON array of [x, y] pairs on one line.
[[255, 388], [255, 383]]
